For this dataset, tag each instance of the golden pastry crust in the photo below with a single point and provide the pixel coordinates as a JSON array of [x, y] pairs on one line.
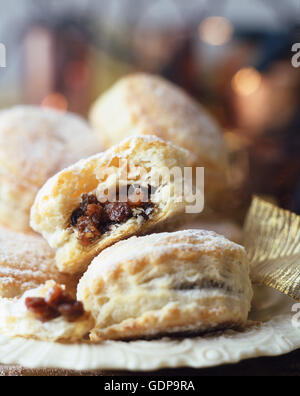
[[228, 228], [36, 143], [185, 282], [143, 104], [26, 262], [17, 321], [60, 197]]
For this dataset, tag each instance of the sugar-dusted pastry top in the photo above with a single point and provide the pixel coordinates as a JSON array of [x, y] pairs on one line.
[[147, 104], [35, 143], [230, 229], [70, 213], [24, 317], [184, 282], [26, 262], [177, 243]]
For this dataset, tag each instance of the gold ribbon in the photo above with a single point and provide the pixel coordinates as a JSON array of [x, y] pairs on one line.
[[272, 240]]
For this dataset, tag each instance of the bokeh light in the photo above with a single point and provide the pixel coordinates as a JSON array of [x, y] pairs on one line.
[[216, 31], [56, 101], [246, 81]]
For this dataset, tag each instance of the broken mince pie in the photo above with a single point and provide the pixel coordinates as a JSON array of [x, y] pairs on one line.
[[46, 313], [78, 222]]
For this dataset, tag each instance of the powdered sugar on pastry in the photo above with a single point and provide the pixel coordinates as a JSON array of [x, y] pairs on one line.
[[160, 244], [35, 143], [26, 261], [226, 227], [145, 104], [185, 282], [71, 191]]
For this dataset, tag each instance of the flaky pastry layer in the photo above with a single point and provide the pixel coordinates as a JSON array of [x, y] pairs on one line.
[[185, 282], [145, 104], [121, 165], [26, 262]]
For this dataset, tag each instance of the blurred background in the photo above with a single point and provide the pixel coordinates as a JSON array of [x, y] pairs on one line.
[[233, 56]]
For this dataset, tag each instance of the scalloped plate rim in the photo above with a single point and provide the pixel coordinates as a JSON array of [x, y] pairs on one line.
[[273, 338]]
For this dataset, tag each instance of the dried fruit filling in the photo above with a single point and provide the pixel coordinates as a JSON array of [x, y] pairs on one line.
[[92, 219], [57, 303]]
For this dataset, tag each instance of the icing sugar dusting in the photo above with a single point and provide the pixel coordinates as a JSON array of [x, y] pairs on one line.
[[26, 261], [39, 142], [188, 240]]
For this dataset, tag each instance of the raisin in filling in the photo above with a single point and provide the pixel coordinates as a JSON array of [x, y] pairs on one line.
[[57, 303], [93, 219]]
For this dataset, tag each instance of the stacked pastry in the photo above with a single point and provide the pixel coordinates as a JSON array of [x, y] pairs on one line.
[[109, 264], [36, 143], [143, 104]]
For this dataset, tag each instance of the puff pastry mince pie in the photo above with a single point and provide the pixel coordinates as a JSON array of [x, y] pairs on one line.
[[46, 313], [143, 104], [172, 283], [36, 143], [26, 262], [82, 210]]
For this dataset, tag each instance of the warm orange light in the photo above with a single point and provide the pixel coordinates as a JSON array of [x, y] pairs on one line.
[[246, 81], [56, 101], [216, 30]]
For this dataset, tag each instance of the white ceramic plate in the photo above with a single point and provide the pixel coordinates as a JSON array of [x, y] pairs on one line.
[[276, 336]]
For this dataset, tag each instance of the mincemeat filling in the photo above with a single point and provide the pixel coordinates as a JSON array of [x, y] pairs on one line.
[[93, 219], [57, 303]]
